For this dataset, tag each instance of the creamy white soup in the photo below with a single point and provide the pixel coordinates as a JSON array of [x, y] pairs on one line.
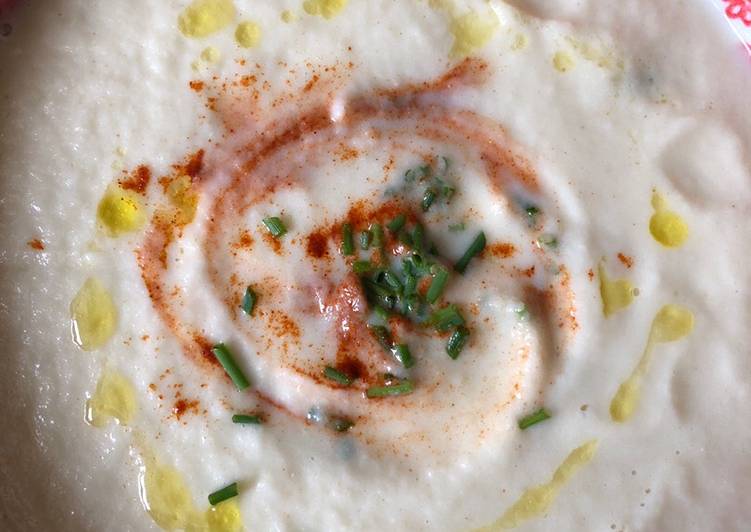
[[374, 265]]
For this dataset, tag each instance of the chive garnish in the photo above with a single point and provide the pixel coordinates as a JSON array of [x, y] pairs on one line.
[[225, 358], [532, 419], [403, 388], [440, 278], [383, 336], [223, 494], [361, 266], [418, 238], [275, 226], [410, 284], [405, 237], [403, 355], [522, 312], [457, 341], [428, 198], [477, 245], [457, 227], [547, 240], [392, 280], [397, 223], [365, 238], [341, 424], [337, 376], [245, 419], [249, 301], [446, 318], [348, 243], [378, 240]]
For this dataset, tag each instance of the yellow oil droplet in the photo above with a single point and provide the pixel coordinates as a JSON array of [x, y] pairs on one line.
[[204, 17], [114, 398], [671, 323], [563, 62], [327, 9], [537, 500], [472, 31], [93, 316], [520, 42], [167, 498], [616, 295], [183, 198], [288, 16], [248, 34], [225, 517], [120, 211], [666, 226], [210, 54]]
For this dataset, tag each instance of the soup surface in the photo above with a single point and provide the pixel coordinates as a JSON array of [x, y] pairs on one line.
[[368, 265]]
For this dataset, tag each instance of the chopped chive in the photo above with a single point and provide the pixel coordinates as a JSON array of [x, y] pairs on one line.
[[392, 280], [223, 494], [448, 191], [397, 223], [522, 312], [225, 358], [428, 198], [378, 239], [361, 266], [454, 228], [457, 341], [477, 245], [381, 312], [547, 240], [532, 419], [337, 376], [403, 355], [410, 284], [245, 419], [440, 278], [383, 336], [249, 301], [341, 424], [365, 238], [532, 212], [446, 318], [416, 174], [348, 243], [403, 388], [405, 237], [418, 237], [275, 226]]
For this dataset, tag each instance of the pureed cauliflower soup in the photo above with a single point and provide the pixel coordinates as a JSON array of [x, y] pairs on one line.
[[375, 265]]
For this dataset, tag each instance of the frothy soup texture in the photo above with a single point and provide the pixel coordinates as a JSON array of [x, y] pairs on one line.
[[367, 265]]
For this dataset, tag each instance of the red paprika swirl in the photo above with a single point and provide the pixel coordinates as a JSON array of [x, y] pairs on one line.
[[341, 160]]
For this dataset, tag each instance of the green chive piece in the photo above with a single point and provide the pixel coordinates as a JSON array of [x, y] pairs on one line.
[[457, 341], [410, 285], [405, 237], [440, 278], [336, 376], [365, 238], [383, 336], [397, 223], [348, 243], [477, 245], [381, 312], [403, 388], [361, 266], [223, 494], [275, 226], [522, 312], [416, 174], [249, 301], [455, 228], [341, 424], [532, 213], [448, 191], [403, 355], [225, 358], [245, 419], [532, 419], [378, 238], [428, 198], [418, 238], [392, 280], [547, 240], [446, 318]]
